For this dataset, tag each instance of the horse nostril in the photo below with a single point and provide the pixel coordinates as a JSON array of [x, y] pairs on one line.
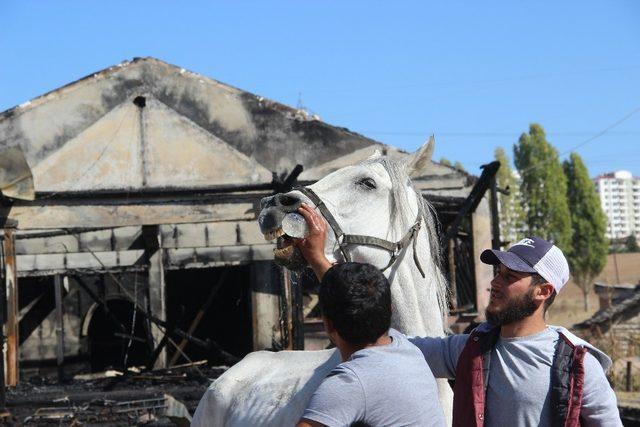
[[288, 201]]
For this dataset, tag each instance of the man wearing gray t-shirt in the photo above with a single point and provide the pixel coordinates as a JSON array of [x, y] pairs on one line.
[[383, 379]]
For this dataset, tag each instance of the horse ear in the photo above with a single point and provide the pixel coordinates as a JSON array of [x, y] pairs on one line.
[[419, 160]]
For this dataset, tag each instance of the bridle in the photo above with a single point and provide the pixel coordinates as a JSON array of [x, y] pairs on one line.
[[345, 240]]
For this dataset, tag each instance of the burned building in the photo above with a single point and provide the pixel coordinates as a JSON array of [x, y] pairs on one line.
[[140, 245], [616, 324]]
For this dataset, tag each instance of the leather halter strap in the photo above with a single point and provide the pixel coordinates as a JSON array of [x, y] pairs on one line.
[[344, 240]]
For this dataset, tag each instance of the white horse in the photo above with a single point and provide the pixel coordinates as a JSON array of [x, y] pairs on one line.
[[373, 198]]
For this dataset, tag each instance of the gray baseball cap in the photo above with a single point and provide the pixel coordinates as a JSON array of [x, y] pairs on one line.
[[532, 255]]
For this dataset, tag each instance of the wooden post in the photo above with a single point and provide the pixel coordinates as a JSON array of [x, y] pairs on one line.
[[496, 242], [11, 325], [629, 382], [57, 283], [615, 262], [453, 288], [482, 239], [3, 319], [153, 245], [265, 305]]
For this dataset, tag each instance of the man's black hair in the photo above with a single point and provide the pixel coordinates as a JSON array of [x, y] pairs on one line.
[[356, 298]]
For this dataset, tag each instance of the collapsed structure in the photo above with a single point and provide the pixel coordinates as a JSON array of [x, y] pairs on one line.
[[140, 246], [616, 324]]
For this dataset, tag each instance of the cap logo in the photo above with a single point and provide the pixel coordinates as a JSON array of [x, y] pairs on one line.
[[525, 242]]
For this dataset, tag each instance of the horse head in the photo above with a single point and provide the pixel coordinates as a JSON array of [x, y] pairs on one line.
[[372, 198], [374, 203]]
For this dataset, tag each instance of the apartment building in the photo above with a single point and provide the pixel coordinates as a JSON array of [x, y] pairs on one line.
[[620, 198]]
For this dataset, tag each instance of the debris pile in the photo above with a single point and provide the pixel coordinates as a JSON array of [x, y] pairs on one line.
[[159, 397]]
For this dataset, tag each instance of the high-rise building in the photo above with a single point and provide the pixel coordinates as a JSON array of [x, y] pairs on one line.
[[620, 198]]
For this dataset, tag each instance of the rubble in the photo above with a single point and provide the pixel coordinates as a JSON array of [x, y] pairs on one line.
[[157, 397]]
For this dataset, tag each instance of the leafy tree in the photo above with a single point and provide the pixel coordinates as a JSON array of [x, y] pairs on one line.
[[632, 244], [511, 209], [588, 222], [446, 162], [544, 188], [458, 166]]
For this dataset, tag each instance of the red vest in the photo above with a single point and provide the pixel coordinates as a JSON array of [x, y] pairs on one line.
[[472, 374]]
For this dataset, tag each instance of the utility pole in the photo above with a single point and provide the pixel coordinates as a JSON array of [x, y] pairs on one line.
[[615, 261]]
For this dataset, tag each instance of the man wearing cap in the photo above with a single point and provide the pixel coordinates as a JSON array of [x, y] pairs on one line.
[[514, 370]]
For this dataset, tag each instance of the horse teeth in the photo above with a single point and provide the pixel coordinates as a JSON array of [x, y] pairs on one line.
[[273, 234], [284, 252]]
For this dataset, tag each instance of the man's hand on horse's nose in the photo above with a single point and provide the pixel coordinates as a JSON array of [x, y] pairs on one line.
[[312, 246]]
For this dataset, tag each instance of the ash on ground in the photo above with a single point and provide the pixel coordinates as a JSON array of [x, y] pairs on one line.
[[166, 397]]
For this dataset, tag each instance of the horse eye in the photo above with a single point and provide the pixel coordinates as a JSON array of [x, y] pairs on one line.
[[368, 183]]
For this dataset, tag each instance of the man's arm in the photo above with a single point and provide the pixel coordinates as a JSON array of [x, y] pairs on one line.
[[441, 353], [312, 246], [599, 404]]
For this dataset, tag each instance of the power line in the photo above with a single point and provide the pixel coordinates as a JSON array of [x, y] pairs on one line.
[[588, 140], [480, 134], [605, 130]]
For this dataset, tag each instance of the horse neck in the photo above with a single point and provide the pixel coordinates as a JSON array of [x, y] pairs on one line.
[[416, 309]]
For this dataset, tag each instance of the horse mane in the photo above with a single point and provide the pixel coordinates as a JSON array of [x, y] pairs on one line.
[[403, 220]]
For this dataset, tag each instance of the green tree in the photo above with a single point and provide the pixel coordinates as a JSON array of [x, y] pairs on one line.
[[458, 165], [544, 188], [632, 244], [446, 162], [588, 223], [511, 208]]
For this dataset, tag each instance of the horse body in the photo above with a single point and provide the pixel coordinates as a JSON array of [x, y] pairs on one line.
[[272, 389]]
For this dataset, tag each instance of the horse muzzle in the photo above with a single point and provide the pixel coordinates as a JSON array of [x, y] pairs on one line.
[[273, 211]]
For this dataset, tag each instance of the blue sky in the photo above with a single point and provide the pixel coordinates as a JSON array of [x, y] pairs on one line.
[[473, 73]]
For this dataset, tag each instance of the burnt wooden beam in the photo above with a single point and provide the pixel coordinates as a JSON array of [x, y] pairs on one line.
[[101, 302], [153, 357], [446, 200], [475, 196], [495, 215], [11, 322], [190, 193], [39, 311], [157, 305], [201, 312], [57, 284], [285, 185]]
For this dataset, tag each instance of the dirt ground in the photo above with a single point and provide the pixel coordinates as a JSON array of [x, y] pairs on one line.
[[568, 306]]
